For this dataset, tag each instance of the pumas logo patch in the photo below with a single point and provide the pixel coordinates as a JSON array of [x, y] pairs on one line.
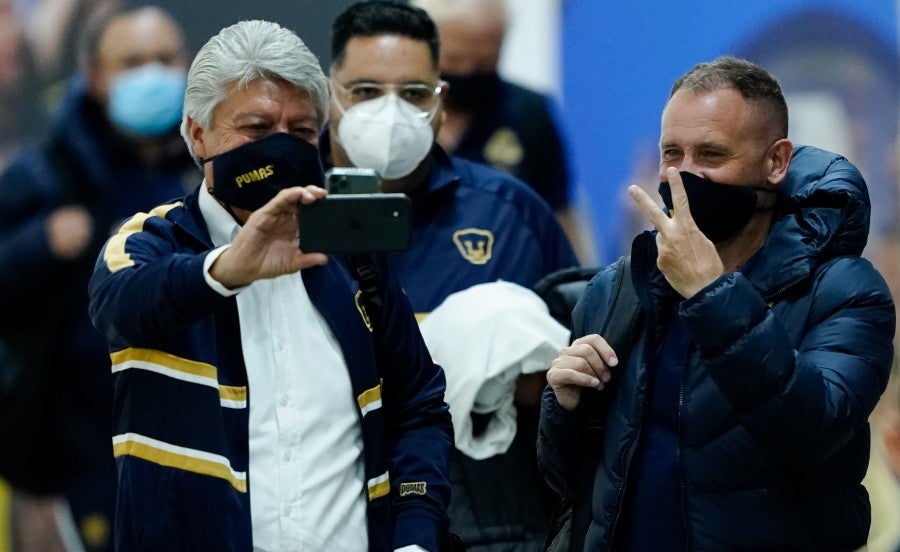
[[416, 488], [503, 149], [474, 244]]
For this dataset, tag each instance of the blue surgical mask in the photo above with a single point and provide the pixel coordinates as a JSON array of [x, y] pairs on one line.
[[147, 101]]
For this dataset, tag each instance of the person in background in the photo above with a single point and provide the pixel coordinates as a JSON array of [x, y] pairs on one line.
[[882, 479], [261, 402], [53, 28], [471, 225], [738, 419], [491, 120], [22, 117], [112, 148]]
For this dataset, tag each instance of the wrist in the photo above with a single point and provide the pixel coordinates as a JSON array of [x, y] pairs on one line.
[[221, 270]]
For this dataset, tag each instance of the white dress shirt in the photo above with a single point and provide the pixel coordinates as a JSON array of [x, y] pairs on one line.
[[306, 473]]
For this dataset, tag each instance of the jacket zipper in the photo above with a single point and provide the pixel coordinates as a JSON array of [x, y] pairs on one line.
[[625, 463]]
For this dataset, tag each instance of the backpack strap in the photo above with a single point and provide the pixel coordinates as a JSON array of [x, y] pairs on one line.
[[363, 269], [621, 328], [561, 290]]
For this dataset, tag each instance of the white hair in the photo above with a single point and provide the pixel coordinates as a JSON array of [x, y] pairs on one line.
[[241, 54]]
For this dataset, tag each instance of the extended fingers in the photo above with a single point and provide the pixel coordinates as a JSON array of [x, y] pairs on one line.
[[679, 195], [648, 207]]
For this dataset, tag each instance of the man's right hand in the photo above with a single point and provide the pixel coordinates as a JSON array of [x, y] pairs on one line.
[[584, 363], [266, 245]]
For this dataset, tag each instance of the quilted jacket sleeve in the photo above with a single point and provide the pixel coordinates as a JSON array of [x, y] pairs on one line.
[[802, 376], [147, 286]]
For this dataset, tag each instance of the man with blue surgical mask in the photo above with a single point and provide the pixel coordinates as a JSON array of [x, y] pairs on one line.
[[472, 224], [113, 148], [136, 69]]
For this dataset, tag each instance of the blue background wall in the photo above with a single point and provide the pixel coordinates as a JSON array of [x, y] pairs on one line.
[[619, 61]]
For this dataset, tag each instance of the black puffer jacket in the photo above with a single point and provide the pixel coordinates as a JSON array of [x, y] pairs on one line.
[[783, 371]]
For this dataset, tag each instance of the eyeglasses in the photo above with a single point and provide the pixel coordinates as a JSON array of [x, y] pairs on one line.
[[420, 95]]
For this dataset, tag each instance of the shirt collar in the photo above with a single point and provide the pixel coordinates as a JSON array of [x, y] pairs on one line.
[[221, 225], [443, 173]]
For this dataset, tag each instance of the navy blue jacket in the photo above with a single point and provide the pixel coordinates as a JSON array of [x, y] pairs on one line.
[[177, 346], [473, 224], [783, 370], [517, 133]]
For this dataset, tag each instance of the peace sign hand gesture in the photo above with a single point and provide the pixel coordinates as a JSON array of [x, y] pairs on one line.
[[687, 259]]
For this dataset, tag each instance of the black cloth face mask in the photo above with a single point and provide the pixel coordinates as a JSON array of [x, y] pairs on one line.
[[249, 176], [470, 91], [719, 210]]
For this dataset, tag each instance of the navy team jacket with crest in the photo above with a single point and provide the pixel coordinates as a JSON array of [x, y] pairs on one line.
[[473, 224], [180, 424]]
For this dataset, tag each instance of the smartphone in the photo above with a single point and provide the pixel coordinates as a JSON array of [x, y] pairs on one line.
[[356, 223], [351, 180]]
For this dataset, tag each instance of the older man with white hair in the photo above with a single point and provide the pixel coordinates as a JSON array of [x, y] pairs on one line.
[[260, 403]]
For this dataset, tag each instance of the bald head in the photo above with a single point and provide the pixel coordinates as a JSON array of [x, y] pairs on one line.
[[464, 10], [471, 33]]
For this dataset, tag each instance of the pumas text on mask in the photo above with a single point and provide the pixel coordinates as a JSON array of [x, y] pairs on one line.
[[254, 176]]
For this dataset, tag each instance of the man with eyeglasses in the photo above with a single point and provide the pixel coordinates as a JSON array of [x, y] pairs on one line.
[[248, 374], [471, 224]]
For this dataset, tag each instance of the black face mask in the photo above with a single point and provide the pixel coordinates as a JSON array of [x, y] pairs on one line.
[[249, 176], [471, 91], [719, 210]]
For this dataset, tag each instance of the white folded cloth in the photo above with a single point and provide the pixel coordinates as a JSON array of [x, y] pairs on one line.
[[485, 337]]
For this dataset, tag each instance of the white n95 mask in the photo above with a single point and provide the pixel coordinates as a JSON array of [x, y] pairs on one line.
[[386, 134]]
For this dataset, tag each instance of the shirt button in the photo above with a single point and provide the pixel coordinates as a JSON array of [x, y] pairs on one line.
[[287, 456], [284, 400]]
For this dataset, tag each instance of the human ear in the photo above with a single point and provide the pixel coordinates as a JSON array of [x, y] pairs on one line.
[[196, 136], [778, 160]]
